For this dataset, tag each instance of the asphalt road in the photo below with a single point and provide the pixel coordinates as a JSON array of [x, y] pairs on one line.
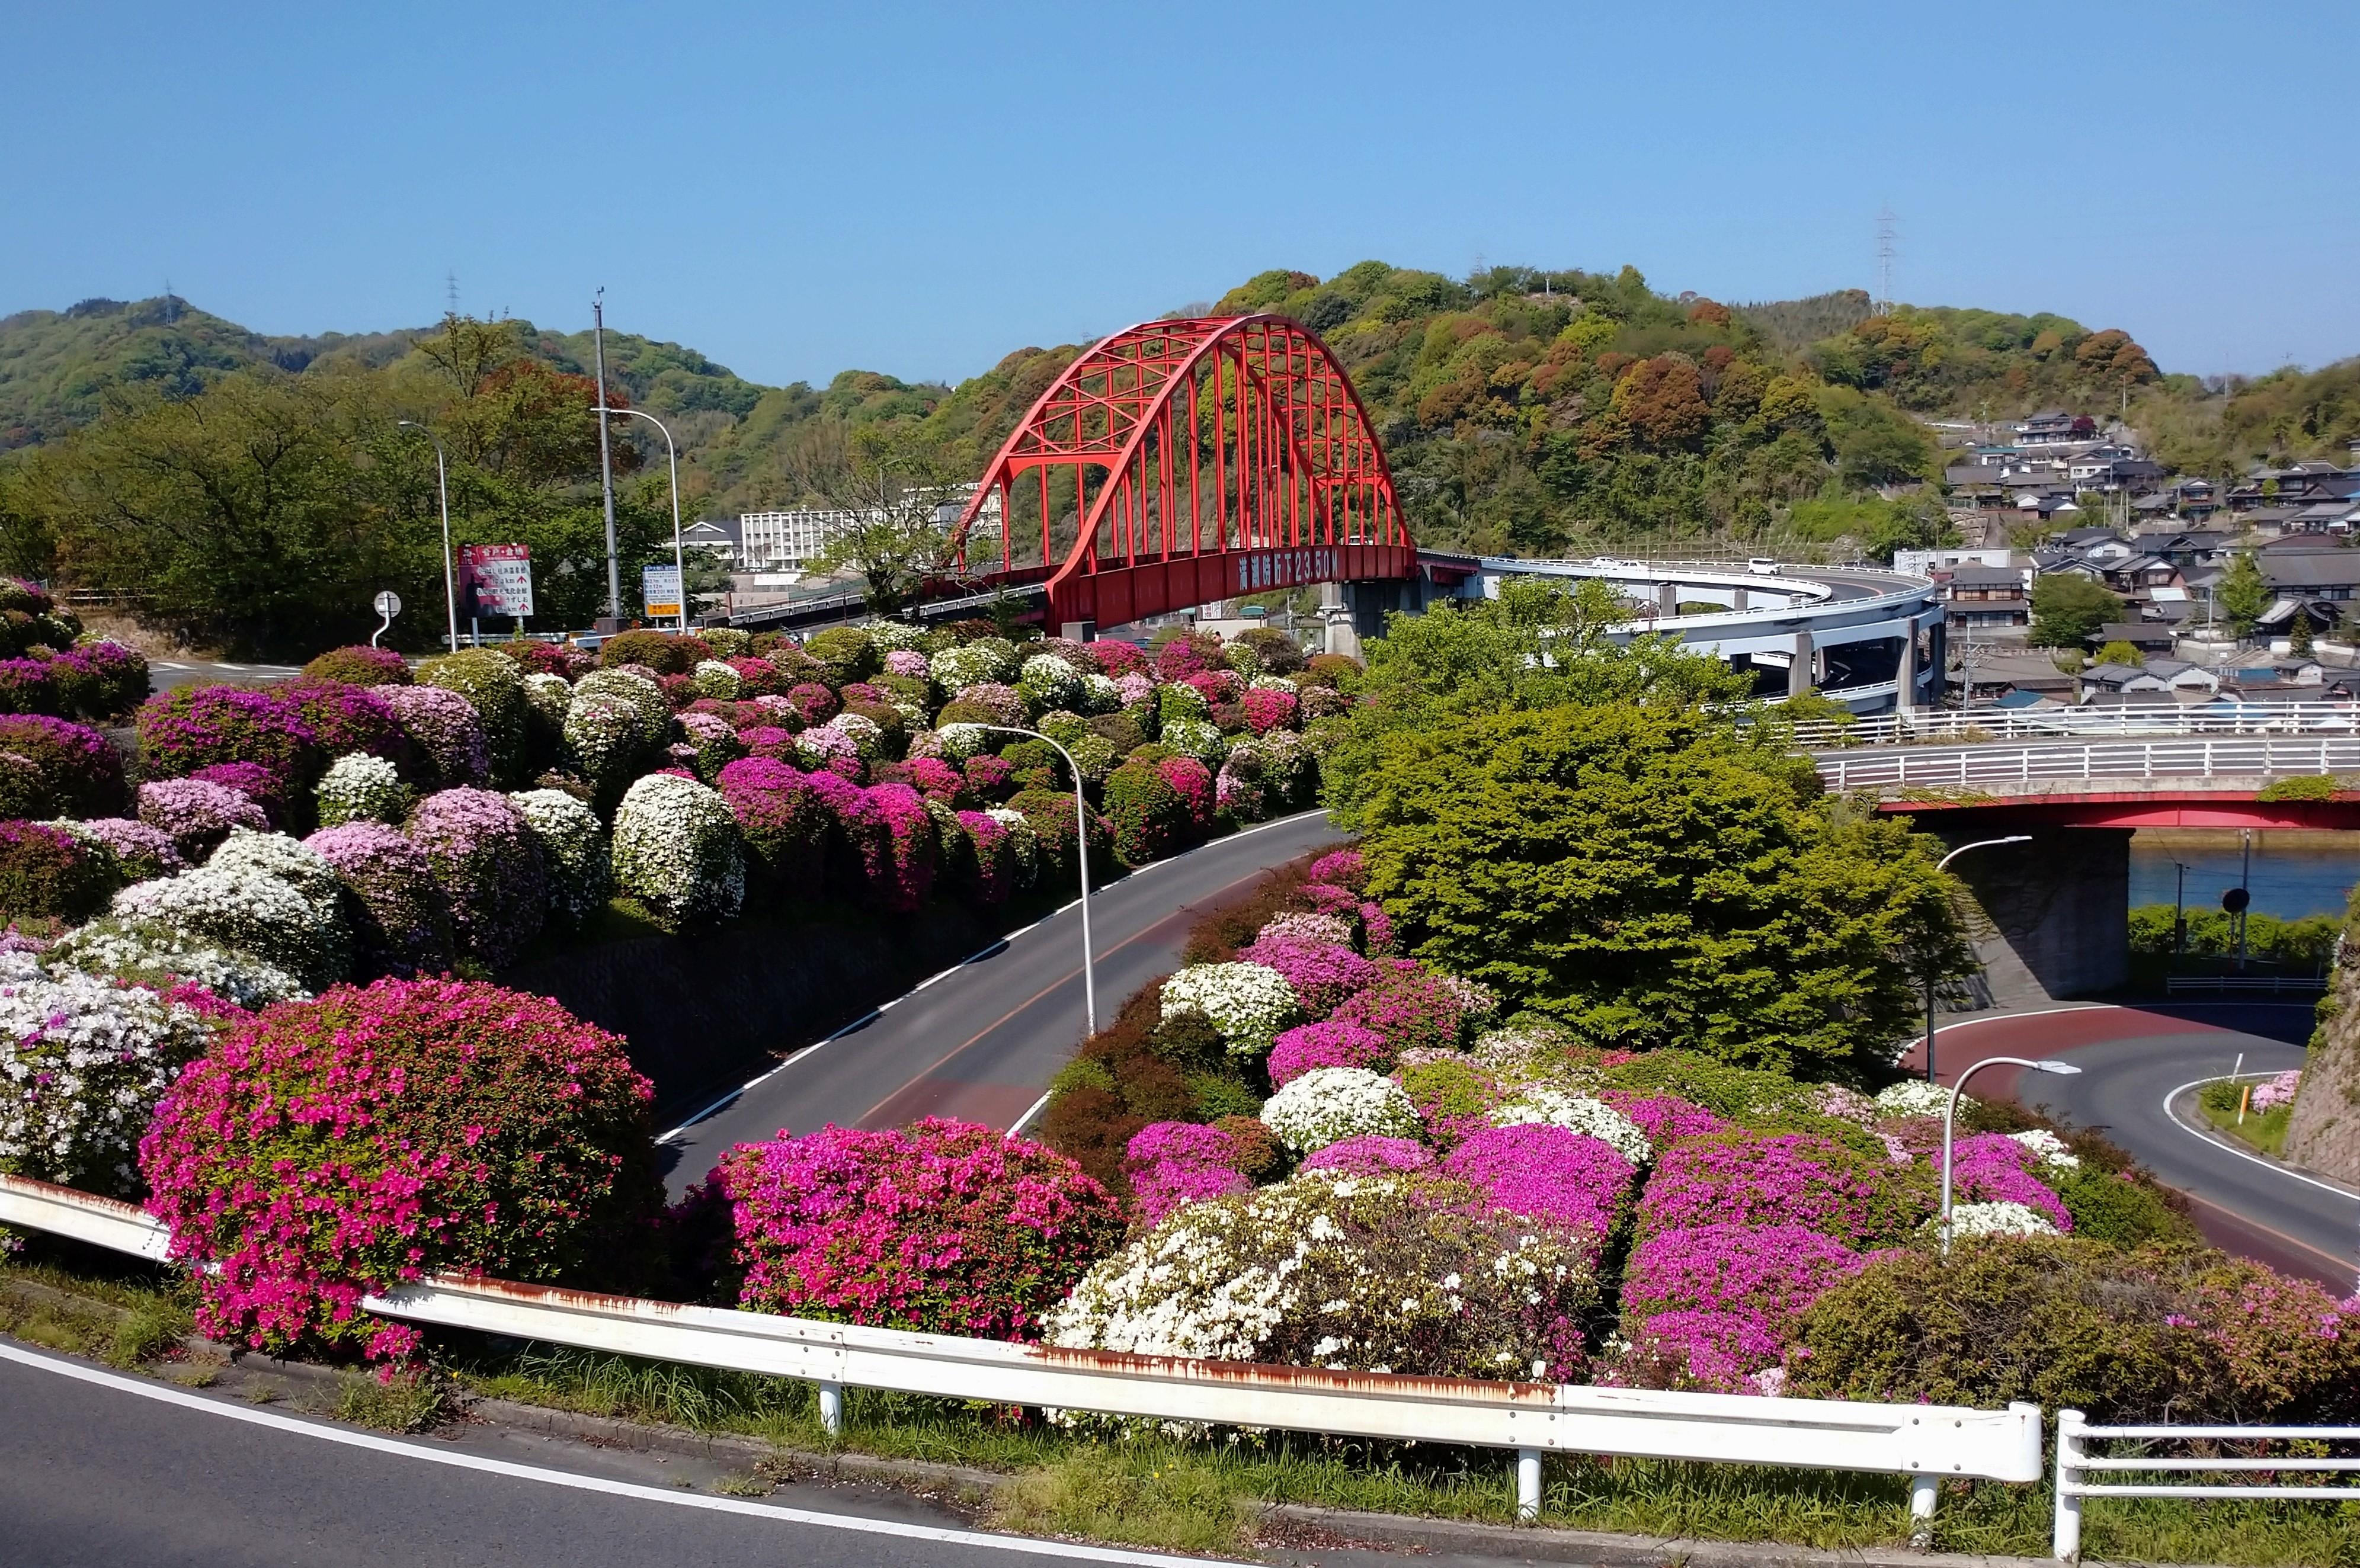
[[981, 1042], [100, 1471], [2134, 1061], [163, 674]]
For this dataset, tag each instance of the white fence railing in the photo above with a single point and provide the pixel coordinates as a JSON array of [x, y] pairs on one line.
[[2142, 718], [1925, 1443], [2004, 765], [2075, 1462], [2273, 984]]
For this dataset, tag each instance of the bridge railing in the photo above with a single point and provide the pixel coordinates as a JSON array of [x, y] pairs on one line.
[[2136, 1475], [2238, 984], [1972, 724], [2024, 765], [1922, 1441]]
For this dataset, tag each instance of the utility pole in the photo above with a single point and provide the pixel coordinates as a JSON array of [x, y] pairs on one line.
[[605, 463]]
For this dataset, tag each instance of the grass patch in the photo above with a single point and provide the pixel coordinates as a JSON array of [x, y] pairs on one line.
[[2264, 1131], [408, 1403], [1131, 1496], [122, 1321]]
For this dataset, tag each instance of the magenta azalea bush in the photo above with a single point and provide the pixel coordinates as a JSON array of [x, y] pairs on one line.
[[488, 864], [190, 727], [1412, 1008], [904, 844], [1745, 1178], [1369, 1154], [1293, 1053], [1772, 1272], [327, 1148], [783, 820], [1665, 1118], [446, 731], [1172, 1163], [1551, 1175], [80, 772], [941, 1225]]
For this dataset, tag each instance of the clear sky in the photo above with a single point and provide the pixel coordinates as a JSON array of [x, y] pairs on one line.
[[920, 189]]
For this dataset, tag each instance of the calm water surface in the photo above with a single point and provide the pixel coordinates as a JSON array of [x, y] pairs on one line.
[[2292, 877]]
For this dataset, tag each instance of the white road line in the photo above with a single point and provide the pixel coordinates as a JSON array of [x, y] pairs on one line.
[[513, 1471], [870, 1018], [2292, 1175], [1037, 1107]]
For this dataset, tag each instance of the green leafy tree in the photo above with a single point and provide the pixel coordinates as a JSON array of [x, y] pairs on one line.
[[2243, 595], [2067, 607], [2120, 653], [896, 486], [1655, 876], [2299, 634]]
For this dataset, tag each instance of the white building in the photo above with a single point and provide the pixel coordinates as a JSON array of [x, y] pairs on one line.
[[791, 540]]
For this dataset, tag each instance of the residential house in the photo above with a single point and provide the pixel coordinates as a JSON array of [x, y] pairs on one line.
[[2184, 679], [2052, 426], [1995, 675], [2135, 576], [1982, 600], [2323, 571], [717, 536], [2148, 637], [2125, 680]]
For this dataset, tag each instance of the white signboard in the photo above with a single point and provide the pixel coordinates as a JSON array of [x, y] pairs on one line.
[[660, 589]]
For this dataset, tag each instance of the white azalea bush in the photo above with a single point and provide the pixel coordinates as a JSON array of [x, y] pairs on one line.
[[1049, 682], [1195, 737], [972, 664], [714, 679], [301, 867], [1916, 1097], [156, 956], [1101, 694], [1245, 1002], [961, 741], [1328, 1105], [82, 1061], [573, 846], [2003, 1217], [676, 851], [361, 787], [1392, 1274], [1023, 842], [242, 909], [2047, 1149], [1545, 1104]]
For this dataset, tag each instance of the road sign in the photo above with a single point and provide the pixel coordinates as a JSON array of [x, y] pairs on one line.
[[2236, 899], [495, 581], [660, 589], [389, 603]]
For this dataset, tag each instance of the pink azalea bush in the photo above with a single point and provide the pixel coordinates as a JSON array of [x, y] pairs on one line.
[[80, 772], [1341, 868], [1665, 1118], [1295, 1052], [401, 922], [196, 815], [1411, 1005], [1770, 1272], [941, 1225], [446, 731], [904, 871], [1268, 709], [1193, 782], [325, 1149], [1715, 1353], [991, 854], [488, 866], [190, 727], [783, 820], [1325, 975], [141, 851]]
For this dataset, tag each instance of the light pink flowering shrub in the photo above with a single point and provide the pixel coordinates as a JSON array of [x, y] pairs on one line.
[[1369, 1154], [941, 1225], [1323, 974], [197, 815], [489, 867], [446, 731], [1411, 1005], [325, 1149]]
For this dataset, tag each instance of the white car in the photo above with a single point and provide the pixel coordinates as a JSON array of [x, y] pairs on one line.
[[1762, 566]]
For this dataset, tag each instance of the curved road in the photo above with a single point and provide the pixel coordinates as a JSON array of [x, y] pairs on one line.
[[981, 1042], [2135, 1061], [100, 1470]]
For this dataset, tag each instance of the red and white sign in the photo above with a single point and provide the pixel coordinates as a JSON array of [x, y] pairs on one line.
[[495, 581]]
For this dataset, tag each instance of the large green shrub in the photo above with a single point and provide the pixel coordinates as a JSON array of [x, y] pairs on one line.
[[659, 651], [494, 687], [1147, 814], [846, 653]]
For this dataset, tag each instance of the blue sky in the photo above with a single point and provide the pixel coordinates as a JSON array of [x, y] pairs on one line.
[[920, 189]]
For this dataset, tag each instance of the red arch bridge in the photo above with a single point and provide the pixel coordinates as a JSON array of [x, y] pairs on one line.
[[1174, 464]]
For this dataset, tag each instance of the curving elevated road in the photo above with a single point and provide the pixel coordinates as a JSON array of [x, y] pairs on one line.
[[981, 1042]]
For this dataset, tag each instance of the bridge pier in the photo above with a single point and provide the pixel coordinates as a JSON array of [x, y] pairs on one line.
[[1905, 677], [1800, 673], [2052, 918], [1667, 599]]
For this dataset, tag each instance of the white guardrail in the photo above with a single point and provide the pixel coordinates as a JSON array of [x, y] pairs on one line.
[[2074, 1461], [2221, 985], [2133, 719], [2090, 759], [1925, 1443]]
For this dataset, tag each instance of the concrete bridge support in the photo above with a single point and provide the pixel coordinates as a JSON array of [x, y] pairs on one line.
[[1799, 674], [2052, 918]]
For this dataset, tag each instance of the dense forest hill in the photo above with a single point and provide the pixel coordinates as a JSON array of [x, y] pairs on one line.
[[1523, 410]]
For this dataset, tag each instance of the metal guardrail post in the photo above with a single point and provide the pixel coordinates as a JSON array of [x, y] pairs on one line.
[[1528, 1485], [831, 1408], [1925, 1491], [2071, 1448]]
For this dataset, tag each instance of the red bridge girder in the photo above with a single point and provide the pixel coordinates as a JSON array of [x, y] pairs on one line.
[[1181, 461]]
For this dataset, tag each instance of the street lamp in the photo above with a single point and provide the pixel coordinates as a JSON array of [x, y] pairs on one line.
[[1940, 866], [671, 452], [1082, 855], [1951, 1113], [442, 488]]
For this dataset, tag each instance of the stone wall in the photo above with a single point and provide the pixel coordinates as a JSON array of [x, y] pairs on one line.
[[2324, 1132], [704, 1013]]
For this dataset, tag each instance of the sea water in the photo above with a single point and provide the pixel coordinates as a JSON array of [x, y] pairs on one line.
[[2294, 874]]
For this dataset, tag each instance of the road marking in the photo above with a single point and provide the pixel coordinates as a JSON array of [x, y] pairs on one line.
[[865, 1019], [1038, 1106], [514, 1471], [2282, 1169], [2340, 1263]]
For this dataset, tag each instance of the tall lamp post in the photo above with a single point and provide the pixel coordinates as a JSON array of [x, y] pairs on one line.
[[443, 489], [672, 453], [1951, 1114], [1940, 866], [1082, 855]]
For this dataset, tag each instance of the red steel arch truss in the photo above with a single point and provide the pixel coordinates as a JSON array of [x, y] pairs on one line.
[[1182, 461]]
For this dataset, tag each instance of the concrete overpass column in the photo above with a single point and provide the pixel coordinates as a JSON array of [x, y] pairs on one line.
[[1800, 673], [2052, 917], [1905, 675], [1742, 594], [1667, 599], [1335, 609]]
